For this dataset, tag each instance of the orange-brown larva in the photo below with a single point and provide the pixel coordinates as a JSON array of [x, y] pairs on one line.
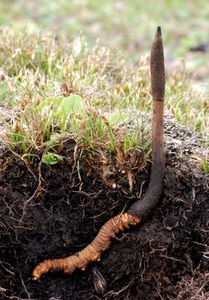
[[92, 252]]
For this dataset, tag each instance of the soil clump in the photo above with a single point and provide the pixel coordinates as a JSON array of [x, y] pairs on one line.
[[165, 257]]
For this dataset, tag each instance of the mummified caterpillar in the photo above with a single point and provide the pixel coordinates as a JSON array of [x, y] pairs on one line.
[[91, 253], [141, 208]]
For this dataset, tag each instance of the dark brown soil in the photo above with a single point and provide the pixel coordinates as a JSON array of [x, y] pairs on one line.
[[165, 257]]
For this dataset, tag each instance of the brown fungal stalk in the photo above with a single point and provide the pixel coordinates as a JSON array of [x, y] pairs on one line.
[[140, 209], [143, 207]]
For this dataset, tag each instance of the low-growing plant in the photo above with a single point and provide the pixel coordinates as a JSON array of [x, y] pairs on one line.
[[62, 87], [203, 163]]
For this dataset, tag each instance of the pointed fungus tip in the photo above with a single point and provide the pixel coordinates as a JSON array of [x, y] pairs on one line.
[[159, 28], [158, 32]]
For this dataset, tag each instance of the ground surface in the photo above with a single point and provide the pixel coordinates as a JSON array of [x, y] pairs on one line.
[[165, 257]]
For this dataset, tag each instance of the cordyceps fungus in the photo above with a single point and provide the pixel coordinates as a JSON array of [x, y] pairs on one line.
[[143, 207], [140, 209]]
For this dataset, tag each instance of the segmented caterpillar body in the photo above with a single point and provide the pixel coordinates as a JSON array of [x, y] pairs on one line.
[[140, 208], [92, 252]]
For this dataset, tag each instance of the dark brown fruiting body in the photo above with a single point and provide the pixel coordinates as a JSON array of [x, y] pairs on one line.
[[157, 67], [140, 209], [143, 207]]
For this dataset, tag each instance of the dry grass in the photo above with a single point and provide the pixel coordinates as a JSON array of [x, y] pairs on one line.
[[115, 96]]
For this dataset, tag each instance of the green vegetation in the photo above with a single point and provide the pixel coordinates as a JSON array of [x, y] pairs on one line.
[[58, 87], [44, 71], [55, 87], [129, 23], [203, 163]]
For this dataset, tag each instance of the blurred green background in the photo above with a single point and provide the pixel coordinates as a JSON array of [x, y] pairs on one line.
[[128, 24]]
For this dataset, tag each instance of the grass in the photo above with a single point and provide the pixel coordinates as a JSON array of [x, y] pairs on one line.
[[125, 21], [51, 69], [99, 89], [128, 24]]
